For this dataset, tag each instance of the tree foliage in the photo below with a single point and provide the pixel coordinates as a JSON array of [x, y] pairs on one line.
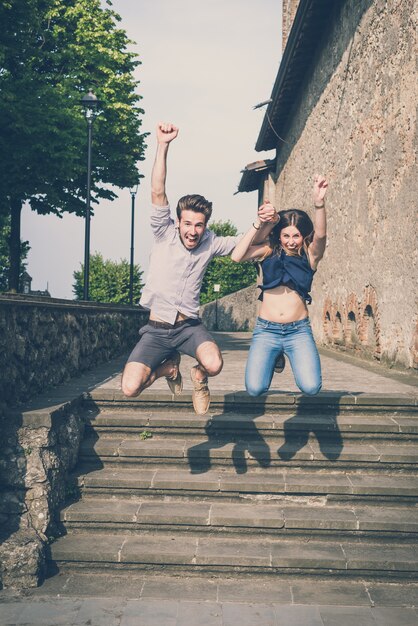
[[109, 281], [223, 271], [224, 229], [51, 53]]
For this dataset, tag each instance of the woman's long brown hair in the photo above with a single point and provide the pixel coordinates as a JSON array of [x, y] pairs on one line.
[[298, 219]]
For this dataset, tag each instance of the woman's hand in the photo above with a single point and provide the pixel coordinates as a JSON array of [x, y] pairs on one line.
[[267, 213], [319, 190]]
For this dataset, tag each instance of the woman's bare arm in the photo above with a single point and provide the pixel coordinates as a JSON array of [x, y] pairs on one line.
[[317, 247], [246, 250]]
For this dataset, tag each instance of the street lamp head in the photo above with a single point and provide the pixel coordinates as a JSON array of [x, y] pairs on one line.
[[134, 189], [90, 100], [90, 104]]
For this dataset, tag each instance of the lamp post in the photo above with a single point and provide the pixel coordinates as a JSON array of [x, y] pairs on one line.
[[90, 104], [216, 289], [133, 192]]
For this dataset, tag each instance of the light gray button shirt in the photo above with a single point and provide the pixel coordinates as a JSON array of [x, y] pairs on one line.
[[175, 274]]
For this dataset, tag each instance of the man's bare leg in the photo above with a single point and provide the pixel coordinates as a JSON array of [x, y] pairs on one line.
[[136, 376], [210, 360]]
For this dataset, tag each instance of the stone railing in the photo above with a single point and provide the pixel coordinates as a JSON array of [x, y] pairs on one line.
[[234, 312], [45, 341]]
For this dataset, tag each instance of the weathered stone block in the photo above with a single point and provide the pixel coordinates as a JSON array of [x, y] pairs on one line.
[[22, 560], [34, 473]]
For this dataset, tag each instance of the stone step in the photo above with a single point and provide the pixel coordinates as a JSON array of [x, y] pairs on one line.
[[219, 554], [332, 401], [257, 590], [245, 452], [274, 517], [258, 483], [391, 425]]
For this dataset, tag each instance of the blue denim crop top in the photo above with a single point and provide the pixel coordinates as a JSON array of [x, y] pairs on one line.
[[293, 271]]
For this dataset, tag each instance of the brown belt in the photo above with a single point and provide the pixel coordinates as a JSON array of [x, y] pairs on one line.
[[166, 325]]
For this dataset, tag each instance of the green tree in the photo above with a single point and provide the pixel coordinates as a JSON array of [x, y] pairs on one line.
[[223, 271], [51, 53], [4, 254], [224, 229], [109, 281]]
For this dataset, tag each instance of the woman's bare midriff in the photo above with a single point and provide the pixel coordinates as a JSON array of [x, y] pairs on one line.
[[282, 305]]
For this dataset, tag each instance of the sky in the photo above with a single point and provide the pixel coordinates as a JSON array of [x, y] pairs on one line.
[[205, 64]]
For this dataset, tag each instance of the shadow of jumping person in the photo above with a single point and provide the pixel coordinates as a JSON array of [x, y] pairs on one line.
[[318, 416], [237, 429]]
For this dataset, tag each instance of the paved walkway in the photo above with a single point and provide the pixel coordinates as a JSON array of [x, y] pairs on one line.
[[340, 373], [144, 600], [125, 612]]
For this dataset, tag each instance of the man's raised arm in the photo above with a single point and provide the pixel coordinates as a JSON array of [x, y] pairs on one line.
[[166, 132]]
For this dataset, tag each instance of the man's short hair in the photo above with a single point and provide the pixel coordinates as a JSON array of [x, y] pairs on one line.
[[195, 203]]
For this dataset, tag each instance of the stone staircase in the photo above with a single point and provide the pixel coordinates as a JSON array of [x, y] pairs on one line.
[[283, 486]]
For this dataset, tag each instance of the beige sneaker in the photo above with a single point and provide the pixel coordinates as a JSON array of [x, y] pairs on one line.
[[175, 383], [201, 393]]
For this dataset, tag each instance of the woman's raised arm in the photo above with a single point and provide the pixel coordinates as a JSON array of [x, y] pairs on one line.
[[255, 243], [246, 250], [317, 247]]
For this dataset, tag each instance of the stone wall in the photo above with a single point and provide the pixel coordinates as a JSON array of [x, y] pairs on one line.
[[44, 341], [234, 312], [39, 449], [289, 8], [356, 122]]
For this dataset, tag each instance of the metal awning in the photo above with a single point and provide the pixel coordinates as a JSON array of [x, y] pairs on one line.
[[253, 172]]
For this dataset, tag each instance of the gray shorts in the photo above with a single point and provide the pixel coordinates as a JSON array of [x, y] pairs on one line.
[[155, 345]]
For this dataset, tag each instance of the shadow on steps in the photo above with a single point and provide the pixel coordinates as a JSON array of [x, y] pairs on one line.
[[297, 430]]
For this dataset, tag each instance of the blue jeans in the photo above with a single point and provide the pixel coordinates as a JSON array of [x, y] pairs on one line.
[[295, 340]]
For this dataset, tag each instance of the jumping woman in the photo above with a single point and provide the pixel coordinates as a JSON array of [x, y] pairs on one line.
[[289, 246]]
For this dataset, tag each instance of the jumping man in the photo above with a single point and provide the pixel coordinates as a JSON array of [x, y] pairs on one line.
[[179, 258]]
